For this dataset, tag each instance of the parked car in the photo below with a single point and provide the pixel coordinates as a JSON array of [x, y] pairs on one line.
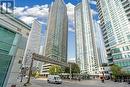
[[54, 79]]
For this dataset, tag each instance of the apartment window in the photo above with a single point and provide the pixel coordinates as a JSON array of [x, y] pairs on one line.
[[116, 50], [117, 56]]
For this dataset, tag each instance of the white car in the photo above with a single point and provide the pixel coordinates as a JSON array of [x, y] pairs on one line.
[[54, 79]]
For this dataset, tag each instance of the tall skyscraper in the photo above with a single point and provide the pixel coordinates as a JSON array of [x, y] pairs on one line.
[[116, 31], [86, 51], [57, 32], [102, 57], [33, 44], [80, 56]]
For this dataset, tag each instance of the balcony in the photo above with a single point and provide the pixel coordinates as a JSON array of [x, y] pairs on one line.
[[109, 58], [110, 63]]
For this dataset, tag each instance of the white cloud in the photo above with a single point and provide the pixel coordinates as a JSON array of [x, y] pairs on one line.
[[94, 12], [70, 12], [27, 14], [40, 12], [27, 19], [71, 29], [72, 60], [98, 21], [93, 2]]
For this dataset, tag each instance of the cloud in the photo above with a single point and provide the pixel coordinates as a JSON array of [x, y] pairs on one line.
[[93, 2], [40, 12], [98, 21], [71, 30], [26, 14], [27, 19], [72, 60], [94, 12], [70, 12]]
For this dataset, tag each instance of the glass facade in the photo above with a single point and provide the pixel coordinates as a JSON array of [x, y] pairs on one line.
[[86, 51], [57, 32], [80, 57], [115, 29], [8, 41]]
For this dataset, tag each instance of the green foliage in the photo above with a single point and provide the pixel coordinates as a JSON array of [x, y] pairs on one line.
[[116, 70], [55, 70], [74, 68], [67, 70], [36, 74]]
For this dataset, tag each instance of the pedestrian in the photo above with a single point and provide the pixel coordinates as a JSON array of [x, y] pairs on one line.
[[79, 79], [102, 79]]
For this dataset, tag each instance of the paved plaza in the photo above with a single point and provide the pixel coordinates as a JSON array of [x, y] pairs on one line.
[[68, 83]]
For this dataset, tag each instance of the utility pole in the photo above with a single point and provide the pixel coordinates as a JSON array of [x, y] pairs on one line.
[[70, 71], [30, 72]]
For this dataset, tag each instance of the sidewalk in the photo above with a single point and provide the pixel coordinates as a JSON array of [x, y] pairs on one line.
[[41, 82], [21, 84], [98, 83]]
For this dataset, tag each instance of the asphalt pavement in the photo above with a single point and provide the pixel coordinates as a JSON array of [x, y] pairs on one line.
[[67, 83]]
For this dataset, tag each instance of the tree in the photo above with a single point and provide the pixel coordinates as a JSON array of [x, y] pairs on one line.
[[36, 74], [55, 70], [74, 69], [67, 70], [116, 70]]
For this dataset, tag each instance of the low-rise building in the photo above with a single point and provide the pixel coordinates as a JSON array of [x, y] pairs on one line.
[[44, 69], [13, 38]]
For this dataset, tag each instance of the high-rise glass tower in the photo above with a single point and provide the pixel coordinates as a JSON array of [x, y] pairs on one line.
[[80, 56], [86, 51], [57, 32], [116, 31], [102, 57]]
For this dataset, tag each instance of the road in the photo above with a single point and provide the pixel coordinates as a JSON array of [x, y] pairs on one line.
[[87, 83]]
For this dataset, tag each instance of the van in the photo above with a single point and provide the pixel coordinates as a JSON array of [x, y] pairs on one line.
[[54, 79]]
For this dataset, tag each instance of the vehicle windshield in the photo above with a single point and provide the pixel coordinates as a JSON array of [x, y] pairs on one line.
[[56, 78]]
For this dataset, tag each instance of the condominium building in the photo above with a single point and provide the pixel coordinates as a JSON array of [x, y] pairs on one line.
[[13, 38], [115, 27], [79, 39], [102, 57], [33, 44], [57, 32], [86, 51]]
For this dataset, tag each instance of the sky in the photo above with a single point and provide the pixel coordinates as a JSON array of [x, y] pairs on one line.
[[28, 10]]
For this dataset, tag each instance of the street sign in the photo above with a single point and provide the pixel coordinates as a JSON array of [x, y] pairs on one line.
[[48, 60]]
